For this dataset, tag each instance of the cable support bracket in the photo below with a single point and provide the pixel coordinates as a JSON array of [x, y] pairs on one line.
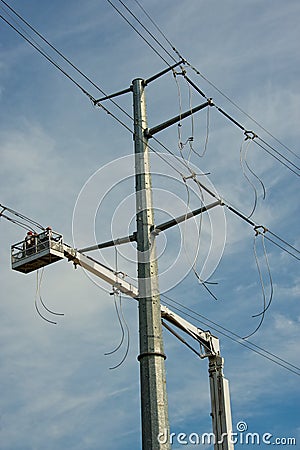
[[250, 135], [257, 227]]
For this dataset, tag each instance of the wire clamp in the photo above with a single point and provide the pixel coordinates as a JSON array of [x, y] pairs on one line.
[[193, 176], [257, 227], [250, 135]]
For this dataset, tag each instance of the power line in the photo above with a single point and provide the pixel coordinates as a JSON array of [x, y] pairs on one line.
[[68, 61], [47, 57], [250, 134], [96, 103], [185, 164], [138, 32], [209, 82], [149, 32], [193, 84]]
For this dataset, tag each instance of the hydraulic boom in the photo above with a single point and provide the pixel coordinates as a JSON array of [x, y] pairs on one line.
[[45, 248]]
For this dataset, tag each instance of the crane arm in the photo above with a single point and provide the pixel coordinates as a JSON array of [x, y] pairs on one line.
[[115, 279], [45, 249]]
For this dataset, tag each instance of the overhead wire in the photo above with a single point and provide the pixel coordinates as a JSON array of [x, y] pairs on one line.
[[18, 222], [46, 56], [124, 125], [95, 102], [68, 61], [138, 32], [251, 222], [89, 95], [147, 31], [179, 55], [21, 216], [276, 155]]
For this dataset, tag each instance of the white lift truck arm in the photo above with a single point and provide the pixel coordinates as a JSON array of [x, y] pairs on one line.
[[219, 388], [46, 249]]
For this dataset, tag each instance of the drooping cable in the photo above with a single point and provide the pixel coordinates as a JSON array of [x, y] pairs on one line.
[[41, 299], [197, 245], [262, 290], [244, 165], [36, 301], [125, 333], [266, 305], [121, 326]]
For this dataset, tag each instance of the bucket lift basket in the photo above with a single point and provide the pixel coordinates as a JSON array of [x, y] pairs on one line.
[[37, 251]]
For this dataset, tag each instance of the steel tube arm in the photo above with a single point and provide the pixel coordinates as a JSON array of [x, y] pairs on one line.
[[150, 132]]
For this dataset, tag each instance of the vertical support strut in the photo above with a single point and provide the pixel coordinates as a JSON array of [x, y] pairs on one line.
[[154, 408], [220, 405]]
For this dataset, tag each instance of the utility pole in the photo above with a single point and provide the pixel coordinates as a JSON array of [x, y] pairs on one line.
[[154, 406]]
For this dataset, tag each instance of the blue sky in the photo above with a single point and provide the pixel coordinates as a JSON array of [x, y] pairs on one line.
[[68, 164]]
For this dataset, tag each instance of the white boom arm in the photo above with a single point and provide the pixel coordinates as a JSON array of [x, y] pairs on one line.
[[219, 390], [44, 249]]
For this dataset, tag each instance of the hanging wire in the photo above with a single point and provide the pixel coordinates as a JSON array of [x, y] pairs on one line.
[[243, 151], [266, 304], [179, 125], [193, 264], [122, 319], [40, 297], [252, 172], [207, 132], [36, 301], [116, 296], [125, 332], [190, 140]]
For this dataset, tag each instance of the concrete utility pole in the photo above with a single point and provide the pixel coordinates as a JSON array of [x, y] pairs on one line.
[[154, 406]]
